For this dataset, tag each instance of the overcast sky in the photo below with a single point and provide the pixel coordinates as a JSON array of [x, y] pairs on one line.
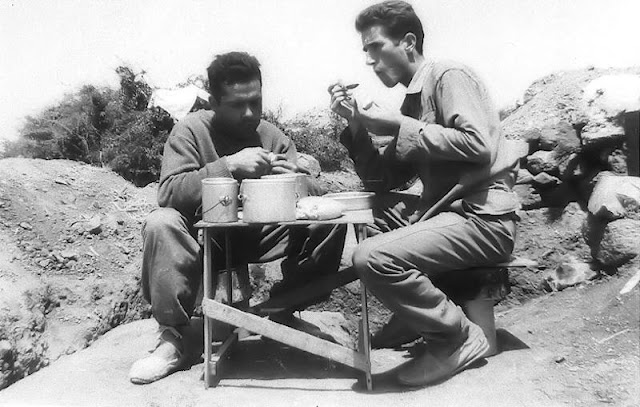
[[48, 48]]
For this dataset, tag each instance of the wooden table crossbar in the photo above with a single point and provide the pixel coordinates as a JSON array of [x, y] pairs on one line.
[[246, 320]]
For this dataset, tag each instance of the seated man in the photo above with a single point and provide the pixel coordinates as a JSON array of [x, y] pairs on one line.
[[230, 141], [446, 132]]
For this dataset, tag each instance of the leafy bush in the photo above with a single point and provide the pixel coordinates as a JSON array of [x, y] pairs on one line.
[[315, 133], [115, 129], [101, 126]]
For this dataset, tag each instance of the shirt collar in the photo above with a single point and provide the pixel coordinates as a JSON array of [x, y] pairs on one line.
[[415, 86]]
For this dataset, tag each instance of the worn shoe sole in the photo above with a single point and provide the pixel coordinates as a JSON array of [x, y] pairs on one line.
[[428, 368]]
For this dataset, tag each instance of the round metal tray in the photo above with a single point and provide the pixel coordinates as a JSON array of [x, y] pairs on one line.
[[353, 201]]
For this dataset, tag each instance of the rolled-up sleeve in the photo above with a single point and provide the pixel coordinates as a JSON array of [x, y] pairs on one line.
[[463, 131]]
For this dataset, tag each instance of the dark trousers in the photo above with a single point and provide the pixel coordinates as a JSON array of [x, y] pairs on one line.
[[172, 258]]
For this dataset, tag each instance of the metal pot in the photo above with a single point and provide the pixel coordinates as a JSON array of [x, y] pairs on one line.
[[268, 200], [219, 200], [302, 183]]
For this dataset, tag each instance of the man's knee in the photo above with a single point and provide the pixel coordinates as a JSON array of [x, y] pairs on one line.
[[366, 259], [160, 220]]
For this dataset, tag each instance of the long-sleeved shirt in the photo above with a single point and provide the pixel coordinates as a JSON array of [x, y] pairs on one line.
[[449, 130], [195, 150]]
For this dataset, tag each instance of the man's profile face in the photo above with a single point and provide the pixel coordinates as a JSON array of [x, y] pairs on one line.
[[239, 108], [385, 55]]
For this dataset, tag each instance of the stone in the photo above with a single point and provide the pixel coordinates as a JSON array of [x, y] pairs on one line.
[[524, 176], [615, 196], [310, 163], [617, 162], [610, 95], [562, 135], [596, 133], [570, 272], [541, 161], [68, 254], [6, 351], [571, 167], [44, 262], [614, 243], [544, 179], [94, 226], [532, 137]]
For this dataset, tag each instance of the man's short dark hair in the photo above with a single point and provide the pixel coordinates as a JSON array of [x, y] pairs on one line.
[[396, 17], [231, 68]]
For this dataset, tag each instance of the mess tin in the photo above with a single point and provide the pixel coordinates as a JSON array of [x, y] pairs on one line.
[[219, 200], [302, 184], [267, 200]]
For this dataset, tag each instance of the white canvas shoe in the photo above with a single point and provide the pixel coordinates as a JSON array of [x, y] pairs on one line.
[[439, 364], [167, 357]]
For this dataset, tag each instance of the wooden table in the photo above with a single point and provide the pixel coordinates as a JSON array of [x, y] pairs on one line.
[[249, 321]]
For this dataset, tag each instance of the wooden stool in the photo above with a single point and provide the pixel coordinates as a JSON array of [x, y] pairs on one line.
[[477, 290]]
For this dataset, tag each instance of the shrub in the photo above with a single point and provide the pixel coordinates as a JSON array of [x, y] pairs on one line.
[[314, 133], [101, 126]]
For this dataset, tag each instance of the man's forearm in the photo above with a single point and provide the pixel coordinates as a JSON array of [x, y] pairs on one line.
[[378, 170]]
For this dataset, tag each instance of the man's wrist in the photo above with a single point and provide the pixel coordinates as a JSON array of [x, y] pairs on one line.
[[231, 166], [354, 126]]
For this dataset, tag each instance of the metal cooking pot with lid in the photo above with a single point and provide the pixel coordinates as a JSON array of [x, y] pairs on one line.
[[268, 200]]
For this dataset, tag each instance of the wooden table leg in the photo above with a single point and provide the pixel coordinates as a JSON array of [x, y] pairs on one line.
[[209, 295], [227, 265], [365, 343]]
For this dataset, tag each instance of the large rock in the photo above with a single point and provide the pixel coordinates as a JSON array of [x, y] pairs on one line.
[[561, 135], [615, 197], [542, 161], [605, 99], [571, 166], [601, 132], [610, 95], [615, 243], [310, 163]]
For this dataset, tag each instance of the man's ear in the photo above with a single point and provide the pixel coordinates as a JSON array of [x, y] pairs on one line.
[[409, 42]]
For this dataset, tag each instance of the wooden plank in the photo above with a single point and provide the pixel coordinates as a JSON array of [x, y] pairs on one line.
[[284, 334], [207, 323], [349, 217], [222, 352], [365, 340]]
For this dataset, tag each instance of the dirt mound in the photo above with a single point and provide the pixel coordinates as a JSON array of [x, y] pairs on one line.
[[69, 265], [553, 99]]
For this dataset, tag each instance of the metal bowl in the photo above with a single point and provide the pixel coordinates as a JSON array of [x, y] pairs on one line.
[[353, 201]]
